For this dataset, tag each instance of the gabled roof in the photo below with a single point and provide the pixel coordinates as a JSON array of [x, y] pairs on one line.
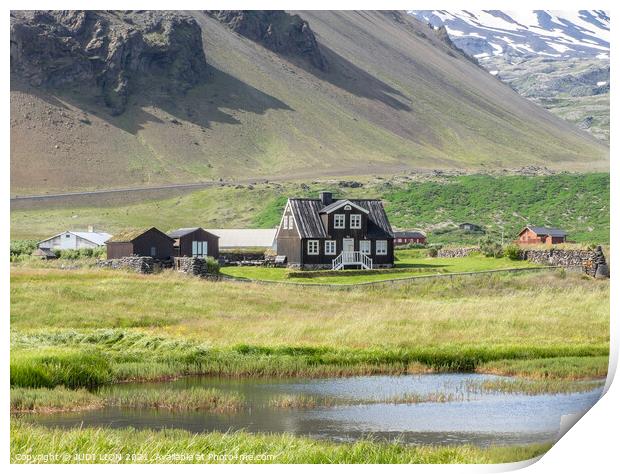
[[340, 203], [183, 231], [244, 238], [307, 214], [546, 231], [130, 235], [411, 234], [97, 238]]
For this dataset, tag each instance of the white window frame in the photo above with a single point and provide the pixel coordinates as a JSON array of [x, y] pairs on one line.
[[338, 217], [381, 247], [200, 248], [313, 247], [330, 247], [291, 222], [285, 222], [365, 247], [358, 218]]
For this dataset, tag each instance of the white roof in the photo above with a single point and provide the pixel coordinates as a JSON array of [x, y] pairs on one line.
[[244, 237], [98, 238]]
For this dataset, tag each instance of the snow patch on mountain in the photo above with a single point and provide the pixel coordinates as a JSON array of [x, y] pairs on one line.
[[549, 33]]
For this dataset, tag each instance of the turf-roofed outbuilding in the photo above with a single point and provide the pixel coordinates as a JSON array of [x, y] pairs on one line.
[[141, 242], [195, 242]]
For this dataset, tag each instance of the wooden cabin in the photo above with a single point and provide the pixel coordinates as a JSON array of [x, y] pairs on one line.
[[142, 243], [541, 235], [335, 234], [195, 242], [406, 237]]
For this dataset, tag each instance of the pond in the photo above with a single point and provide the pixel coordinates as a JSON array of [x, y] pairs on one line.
[[468, 417]]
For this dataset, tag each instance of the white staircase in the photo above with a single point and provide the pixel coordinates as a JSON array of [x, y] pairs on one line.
[[351, 259]]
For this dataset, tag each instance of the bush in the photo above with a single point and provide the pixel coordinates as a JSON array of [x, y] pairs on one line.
[[213, 266], [22, 247], [513, 252], [73, 254], [433, 251], [491, 248]]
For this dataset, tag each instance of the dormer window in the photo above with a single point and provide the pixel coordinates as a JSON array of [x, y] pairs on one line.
[[339, 221], [356, 221]]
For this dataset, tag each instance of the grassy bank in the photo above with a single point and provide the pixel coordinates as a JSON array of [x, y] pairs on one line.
[[88, 328], [31, 443]]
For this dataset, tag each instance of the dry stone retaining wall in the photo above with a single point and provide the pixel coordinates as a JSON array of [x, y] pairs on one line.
[[592, 262], [457, 252], [193, 266], [137, 264]]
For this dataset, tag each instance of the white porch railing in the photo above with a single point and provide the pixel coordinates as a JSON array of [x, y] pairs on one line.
[[352, 258]]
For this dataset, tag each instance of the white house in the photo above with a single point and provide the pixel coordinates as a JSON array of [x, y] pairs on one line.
[[245, 238], [75, 240]]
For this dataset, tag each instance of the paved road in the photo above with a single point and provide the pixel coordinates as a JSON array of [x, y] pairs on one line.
[[203, 184]]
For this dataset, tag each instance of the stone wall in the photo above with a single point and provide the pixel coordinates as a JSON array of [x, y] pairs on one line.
[[456, 252], [193, 266], [592, 262], [136, 264]]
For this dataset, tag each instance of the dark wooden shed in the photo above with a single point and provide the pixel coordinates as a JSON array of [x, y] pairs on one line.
[[195, 242], [142, 242]]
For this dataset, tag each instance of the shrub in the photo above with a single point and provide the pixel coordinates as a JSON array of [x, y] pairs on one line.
[[491, 248], [433, 251], [513, 252], [22, 247], [73, 254], [213, 266]]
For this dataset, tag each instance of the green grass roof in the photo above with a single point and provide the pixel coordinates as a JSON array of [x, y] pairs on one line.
[[127, 235]]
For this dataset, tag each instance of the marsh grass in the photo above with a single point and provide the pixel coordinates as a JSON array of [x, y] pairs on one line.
[[290, 401], [533, 387], [41, 400], [195, 398], [566, 368], [51, 400], [31, 443]]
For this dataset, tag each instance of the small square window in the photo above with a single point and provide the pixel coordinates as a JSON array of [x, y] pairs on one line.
[[330, 247], [365, 247], [313, 247], [339, 221], [356, 221], [381, 247]]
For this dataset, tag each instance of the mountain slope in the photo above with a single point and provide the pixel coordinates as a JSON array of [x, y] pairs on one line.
[[393, 96]]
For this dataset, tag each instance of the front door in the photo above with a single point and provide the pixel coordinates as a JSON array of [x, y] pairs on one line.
[[348, 245]]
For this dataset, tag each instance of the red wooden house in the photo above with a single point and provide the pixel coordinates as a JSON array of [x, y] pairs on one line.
[[541, 235]]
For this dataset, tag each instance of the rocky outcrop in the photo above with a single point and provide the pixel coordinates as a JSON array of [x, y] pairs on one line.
[[277, 30], [111, 53]]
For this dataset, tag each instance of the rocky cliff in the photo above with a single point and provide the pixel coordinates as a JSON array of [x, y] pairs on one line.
[[110, 54], [277, 30]]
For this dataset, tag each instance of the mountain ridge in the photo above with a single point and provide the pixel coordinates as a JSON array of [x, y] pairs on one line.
[[394, 97]]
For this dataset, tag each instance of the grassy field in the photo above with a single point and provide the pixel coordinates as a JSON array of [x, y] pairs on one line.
[[30, 443], [578, 203], [89, 327]]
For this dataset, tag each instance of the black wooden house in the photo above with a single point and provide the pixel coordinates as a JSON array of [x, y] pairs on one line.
[[141, 242], [336, 234], [195, 242]]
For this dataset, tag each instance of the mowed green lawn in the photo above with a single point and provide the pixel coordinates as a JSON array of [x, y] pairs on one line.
[[409, 263]]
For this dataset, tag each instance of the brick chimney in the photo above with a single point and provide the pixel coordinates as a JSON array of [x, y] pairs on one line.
[[326, 198]]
